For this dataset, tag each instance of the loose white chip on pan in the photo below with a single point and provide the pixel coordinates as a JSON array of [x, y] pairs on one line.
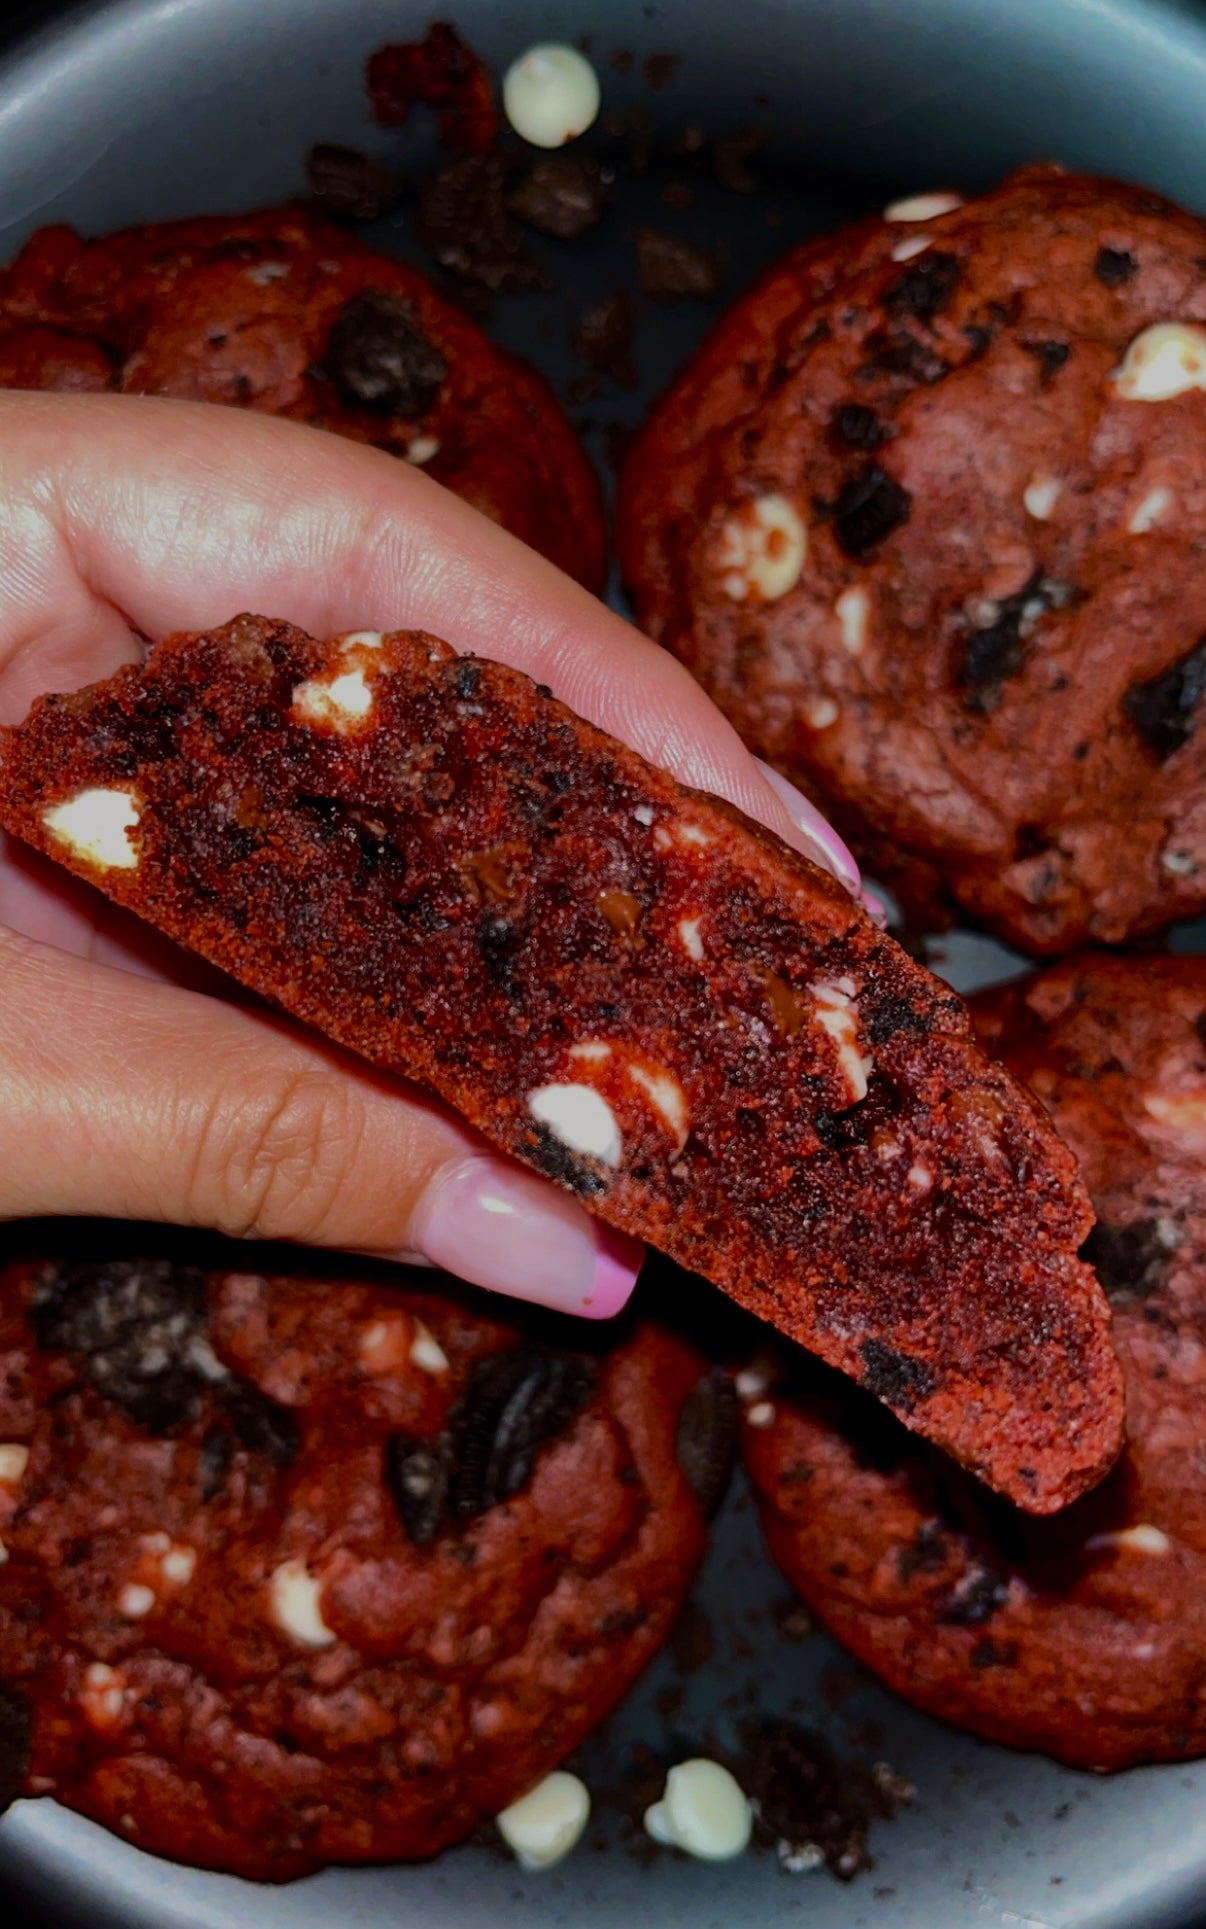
[[1167, 359], [95, 824], [551, 95], [704, 1810], [580, 1118], [543, 1825]]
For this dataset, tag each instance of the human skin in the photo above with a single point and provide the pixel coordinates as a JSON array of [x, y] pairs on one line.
[[133, 1082]]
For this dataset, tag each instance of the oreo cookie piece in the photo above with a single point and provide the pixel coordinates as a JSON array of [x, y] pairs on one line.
[[1084, 1635], [320, 1567], [924, 516]]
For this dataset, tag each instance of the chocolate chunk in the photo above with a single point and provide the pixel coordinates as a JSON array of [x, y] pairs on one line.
[[869, 507], [515, 1404], [465, 224], [896, 352], [671, 269], [1051, 358], [379, 358], [418, 1472], [813, 1807], [349, 185], [136, 1327], [16, 1738], [894, 1014], [603, 336], [975, 1598], [926, 1553], [893, 1376], [1113, 266], [1130, 1261], [925, 287], [706, 1440], [262, 1425], [560, 194], [858, 427], [1164, 710]]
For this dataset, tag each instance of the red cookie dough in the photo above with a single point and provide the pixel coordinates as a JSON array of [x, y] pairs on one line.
[[321, 1568], [624, 983], [1085, 1636], [284, 312], [924, 517]]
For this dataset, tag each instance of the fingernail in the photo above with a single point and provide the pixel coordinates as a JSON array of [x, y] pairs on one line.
[[874, 906], [491, 1223], [826, 847]]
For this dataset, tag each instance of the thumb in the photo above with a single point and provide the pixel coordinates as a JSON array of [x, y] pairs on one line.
[[134, 1099]]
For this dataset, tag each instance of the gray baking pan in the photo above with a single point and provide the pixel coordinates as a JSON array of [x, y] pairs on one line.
[[157, 108]]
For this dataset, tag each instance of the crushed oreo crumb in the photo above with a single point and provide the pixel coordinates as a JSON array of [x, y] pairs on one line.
[[671, 269], [1051, 358], [348, 185], [560, 194], [379, 358], [418, 1473], [894, 1376], [994, 653], [814, 1808], [896, 352], [895, 1014], [262, 1425], [515, 1404], [925, 287], [706, 1440], [926, 1553], [858, 427], [136, 1326], [1113, 266], [975, 1598], [1130, 1261], [16, 1736], [868, 508], [464, 222], [1164, 711]]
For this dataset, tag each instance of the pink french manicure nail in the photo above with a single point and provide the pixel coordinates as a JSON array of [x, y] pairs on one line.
[[493, 1224], [827, 847]]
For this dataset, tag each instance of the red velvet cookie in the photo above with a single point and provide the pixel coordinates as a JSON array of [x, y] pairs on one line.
[[284, 312], [624, 983], [1084, 1636], [924, 514], [320, 1568]]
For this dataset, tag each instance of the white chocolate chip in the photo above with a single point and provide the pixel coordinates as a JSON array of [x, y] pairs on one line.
[[3, 1553], [156, 1543], [643, 815], [341, 700], [762, 550], [1040, 496], [920, 1177], [592, 1051], [1140, 1539], [134, 1600], [764, 1371], [923, 207], [913, 244], [1181, 1111], [761, 1414], [95, 824], [836, 1015], [361, 640], [179, 1565], [693, 834], [666, 1096], [265, 272], [821, 712], [385, 1344], [14, 1458], [103, 1696], [423, 449], [543, 1825], [426, 1351], [704, 1810], [692, 942], [851, 612], [295, 1597], [1178, 863], [1146, 514], [580, 1118], [1165, 360], [666, 836], [551, 95]]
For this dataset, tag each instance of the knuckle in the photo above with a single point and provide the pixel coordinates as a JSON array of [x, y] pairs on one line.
[[278, 1167]]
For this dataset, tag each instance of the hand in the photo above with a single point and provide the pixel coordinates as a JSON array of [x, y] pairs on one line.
[[133, 1082]]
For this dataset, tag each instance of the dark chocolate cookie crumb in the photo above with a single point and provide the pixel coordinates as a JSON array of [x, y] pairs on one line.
[[379, 359], [16, 1732], [869, 507], [1113, 266], [602, 337], [348, 185], [1164, 711], [560, 194], [893, 1376], [707, 1438], [465, 224], [858, 427], [262, 1425], [814, 1808], [418, 1472], [672, 269], [137, 1327], [993, 654]]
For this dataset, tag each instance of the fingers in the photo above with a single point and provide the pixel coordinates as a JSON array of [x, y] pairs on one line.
[[132, 1099], [122, 514]]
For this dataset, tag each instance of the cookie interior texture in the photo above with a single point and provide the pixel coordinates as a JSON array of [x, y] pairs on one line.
[[309, 1566], [923, 514], [1085, 1635], [624, 983]]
